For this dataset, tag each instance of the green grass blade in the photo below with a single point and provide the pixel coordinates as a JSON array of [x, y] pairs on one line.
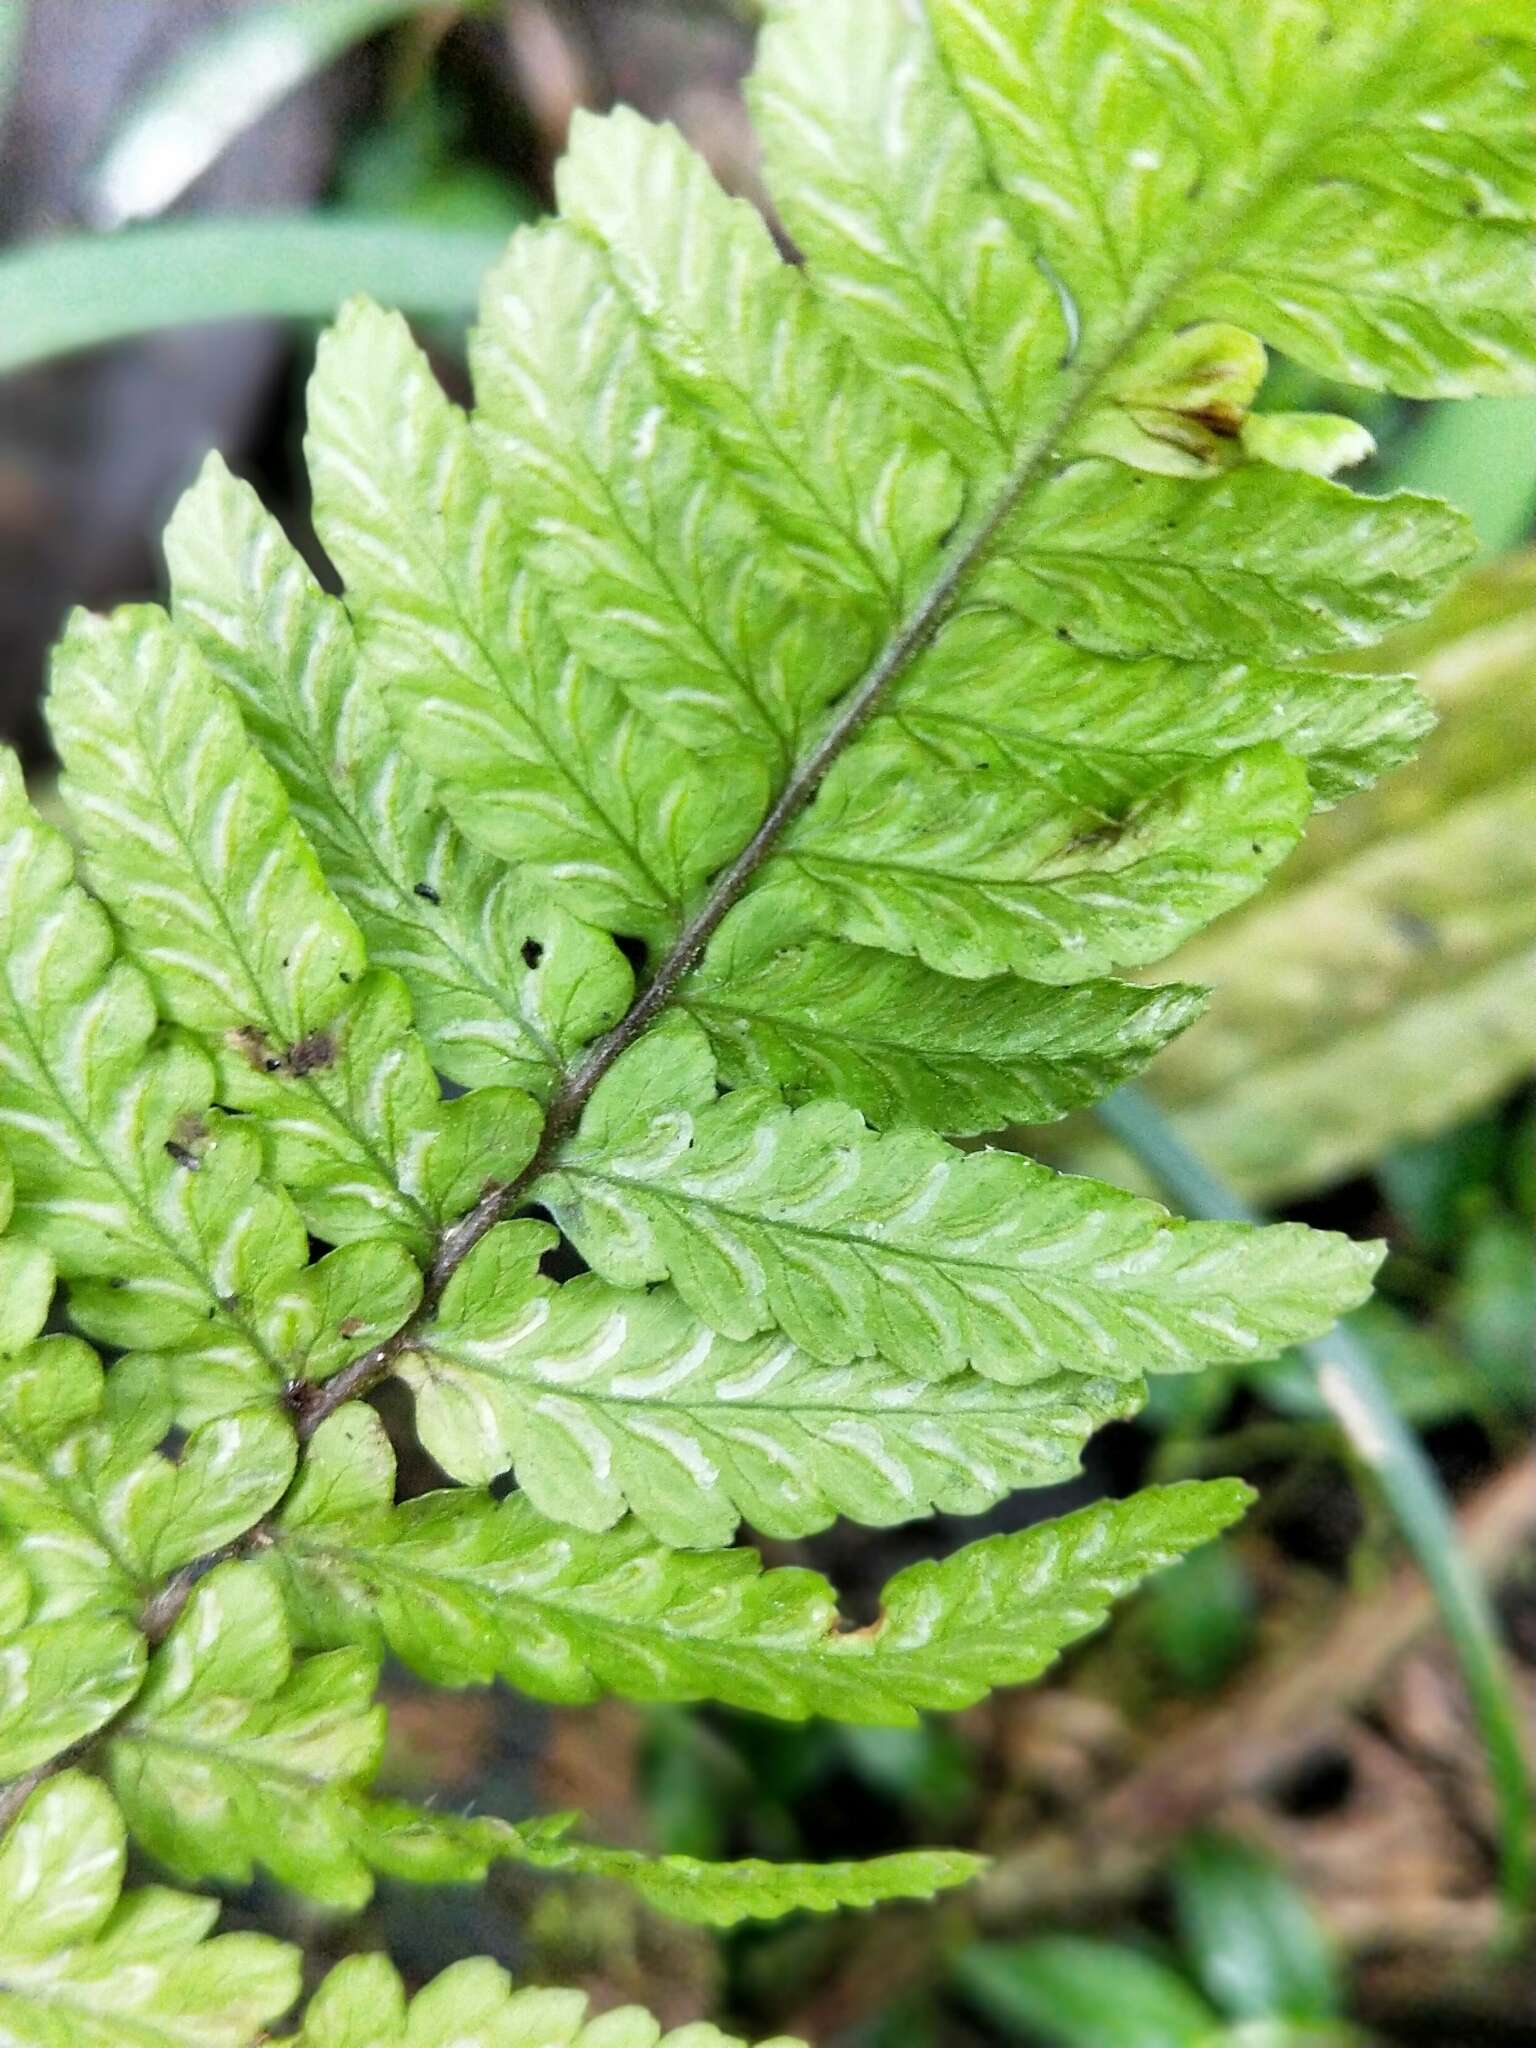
[[1349, 1382], [82, 290], [219, 84]]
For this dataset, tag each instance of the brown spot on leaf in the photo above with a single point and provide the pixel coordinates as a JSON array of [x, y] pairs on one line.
[[254, 1047], [304, 1056], [1220, 417], [316, 1050]]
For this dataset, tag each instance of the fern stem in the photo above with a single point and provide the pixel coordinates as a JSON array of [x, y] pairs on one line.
[[314, 1405], [1352, 1387], [971, 548]]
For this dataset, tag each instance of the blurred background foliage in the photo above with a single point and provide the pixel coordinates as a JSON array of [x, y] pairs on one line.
[[1261, 1813]]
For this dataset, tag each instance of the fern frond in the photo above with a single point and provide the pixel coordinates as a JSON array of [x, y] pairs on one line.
[[1101, 734], [463, 1590], [1177, 160], [1401, 940], [725, 1894], [139, 1969], [541, 767], [738, 341], [83, 1960], [902, 853], [443, 1848], [812, 681], [149, 1202], [903, 1044], [878, 172], [26, 1275], [99, 1514], [655, 567], [855, 1244], [61, 1678], [1254, 562], [363, 1999], [190, 842], [235, 1753], [602, 1398], [506, 985]]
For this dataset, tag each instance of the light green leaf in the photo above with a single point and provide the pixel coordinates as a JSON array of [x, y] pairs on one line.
[[61, 1867], [879, 173], [312, 1322], [901, 853], [820, 1017], [1276, 132], [725, 1894], [26, 1292], [26, 1276], [602, 1400], [322, 1318], [933, 660], [743, 347], [505, 984], [235, 1754], [464, 1590], [1256, 562], [60, 1680], [662, 577], [100, 1514], [538, 757], [1387, 987], [190, 841], [921, 183], [1443, 308], [362, 2004], [686, 1887], [856, 1244], [1183, 406], [84, 1962], [1103, 734], [1318, 442], [1178, 406], [356, 1125], [149, 1203]]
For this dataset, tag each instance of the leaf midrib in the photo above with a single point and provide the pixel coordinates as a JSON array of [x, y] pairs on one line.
[[714, 1411], [921, 625], [475, 1581], [1041, 1280], [910, 638]]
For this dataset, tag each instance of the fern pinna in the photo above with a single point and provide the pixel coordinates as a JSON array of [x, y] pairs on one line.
[[746, 750]]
